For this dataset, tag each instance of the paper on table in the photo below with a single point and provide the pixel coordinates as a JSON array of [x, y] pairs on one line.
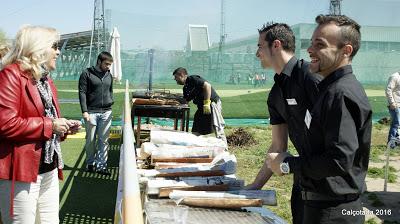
[[158, 136], [224, 162]]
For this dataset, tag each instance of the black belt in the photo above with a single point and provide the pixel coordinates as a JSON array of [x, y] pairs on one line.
[[311, 196]]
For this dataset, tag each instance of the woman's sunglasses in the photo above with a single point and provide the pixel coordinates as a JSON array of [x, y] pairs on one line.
[[56, 45]]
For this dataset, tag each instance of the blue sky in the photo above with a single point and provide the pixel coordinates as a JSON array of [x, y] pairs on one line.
[[164, 23]]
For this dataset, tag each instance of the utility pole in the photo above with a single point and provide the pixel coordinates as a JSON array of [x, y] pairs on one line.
[[219, 70], [335, 7], [99, 36]]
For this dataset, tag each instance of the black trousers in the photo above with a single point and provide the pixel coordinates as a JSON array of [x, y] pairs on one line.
[[297, 204], [333, 212], [202, 123]]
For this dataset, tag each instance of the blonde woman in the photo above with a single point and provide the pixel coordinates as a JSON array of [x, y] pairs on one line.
[[31, 129]]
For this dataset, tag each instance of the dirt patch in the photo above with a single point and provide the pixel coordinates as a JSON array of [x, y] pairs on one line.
[[384, 121], [240, 137]]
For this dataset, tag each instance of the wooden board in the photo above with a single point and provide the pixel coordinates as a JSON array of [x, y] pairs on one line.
[[168, 165], [268, 197], [231, 203], [183, 160], [164, 191], [201, 173]]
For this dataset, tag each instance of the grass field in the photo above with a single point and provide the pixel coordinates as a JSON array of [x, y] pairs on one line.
[[237, 101]]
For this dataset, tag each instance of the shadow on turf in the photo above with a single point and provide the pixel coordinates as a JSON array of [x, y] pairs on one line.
[[91, 197]]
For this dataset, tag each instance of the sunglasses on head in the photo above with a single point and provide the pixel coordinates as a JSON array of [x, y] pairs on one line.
[[56, 45]]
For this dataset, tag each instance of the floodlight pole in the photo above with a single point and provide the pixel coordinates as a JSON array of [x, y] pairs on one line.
[[98, 29], [221, 43]]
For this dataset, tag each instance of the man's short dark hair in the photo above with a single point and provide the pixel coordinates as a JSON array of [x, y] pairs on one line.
[[281, 32], [180, 70], [350, 30], [103, 56]]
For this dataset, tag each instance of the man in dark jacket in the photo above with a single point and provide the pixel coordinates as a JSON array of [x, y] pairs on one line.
[[208, 118], [96, 99]]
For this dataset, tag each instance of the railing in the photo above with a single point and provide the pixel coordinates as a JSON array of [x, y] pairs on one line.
[[128, 206]]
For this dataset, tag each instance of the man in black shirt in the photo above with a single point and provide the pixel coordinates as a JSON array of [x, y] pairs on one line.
[[334, 164], [293, 92], [208, 117]]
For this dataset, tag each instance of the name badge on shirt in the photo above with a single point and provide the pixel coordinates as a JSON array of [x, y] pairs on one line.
[[307, 119], [291, 101]]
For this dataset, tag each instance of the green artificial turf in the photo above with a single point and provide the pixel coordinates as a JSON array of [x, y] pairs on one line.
[[87, 197], [249, 105]]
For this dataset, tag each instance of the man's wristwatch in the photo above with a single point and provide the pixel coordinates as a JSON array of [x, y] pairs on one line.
[[284, 166]]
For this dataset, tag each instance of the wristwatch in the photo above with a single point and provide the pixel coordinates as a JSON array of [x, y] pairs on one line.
[[284, 166]]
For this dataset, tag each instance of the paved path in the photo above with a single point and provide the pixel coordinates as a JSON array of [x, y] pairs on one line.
[[390, 199]]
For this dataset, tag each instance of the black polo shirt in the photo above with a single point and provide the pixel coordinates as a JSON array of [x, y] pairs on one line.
[[339, 136], [193, 90], [294, 91]]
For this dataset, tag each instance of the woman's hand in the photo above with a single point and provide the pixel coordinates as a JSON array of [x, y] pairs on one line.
[[74, 126], [60, 126]]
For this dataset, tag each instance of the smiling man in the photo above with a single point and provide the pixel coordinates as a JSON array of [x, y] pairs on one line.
[[335, 162]]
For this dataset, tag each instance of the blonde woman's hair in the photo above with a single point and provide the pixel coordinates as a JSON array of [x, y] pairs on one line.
[[4, 49], [31, 48]]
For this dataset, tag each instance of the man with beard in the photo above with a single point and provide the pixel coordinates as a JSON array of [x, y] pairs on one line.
[[335, 162], [96, 100]]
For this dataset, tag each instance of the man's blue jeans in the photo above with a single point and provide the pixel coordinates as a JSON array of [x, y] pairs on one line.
[[98, 126], [394, 126]]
